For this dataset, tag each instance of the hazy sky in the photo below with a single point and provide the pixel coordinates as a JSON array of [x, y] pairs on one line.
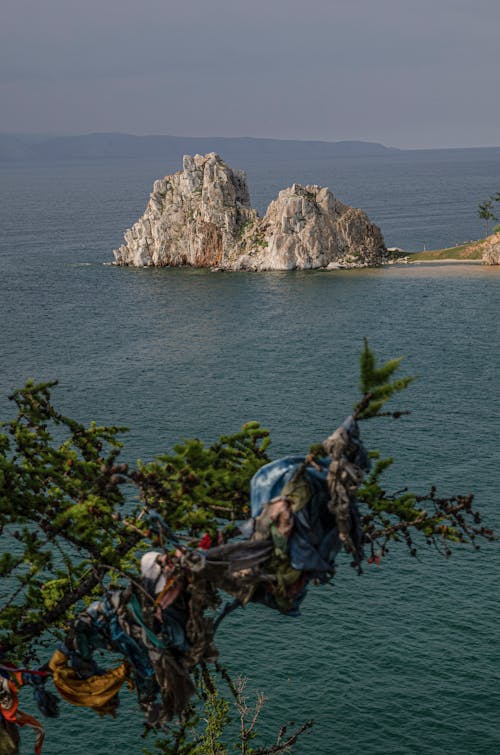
[[407, 73]]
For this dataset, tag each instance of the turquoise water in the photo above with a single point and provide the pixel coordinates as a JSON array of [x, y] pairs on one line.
[[404, 659]]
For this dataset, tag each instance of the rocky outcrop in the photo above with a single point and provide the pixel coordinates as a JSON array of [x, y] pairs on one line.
[[491, 250], [194, 217], [201, 216]]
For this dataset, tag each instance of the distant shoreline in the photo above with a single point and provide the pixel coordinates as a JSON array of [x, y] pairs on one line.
[[15, 148]]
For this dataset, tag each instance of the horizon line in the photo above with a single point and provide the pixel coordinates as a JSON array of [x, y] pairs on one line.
[[56, 135]]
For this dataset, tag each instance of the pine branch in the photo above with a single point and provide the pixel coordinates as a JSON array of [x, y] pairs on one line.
[[376, 385]]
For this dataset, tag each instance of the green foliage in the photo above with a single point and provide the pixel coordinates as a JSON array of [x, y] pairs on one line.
[[222, 726], [496, 229], [402, 515], [200, 733], [215, 719], [196, 487], [73, 519], [395, 517], [63, 494], [485, 210], [376, 385], [244, 228]]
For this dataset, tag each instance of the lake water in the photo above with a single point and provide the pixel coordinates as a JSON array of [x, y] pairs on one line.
[[404, 659]]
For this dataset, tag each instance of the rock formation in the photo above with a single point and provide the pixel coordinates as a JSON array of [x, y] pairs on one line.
[[491, 250], [201, 216]]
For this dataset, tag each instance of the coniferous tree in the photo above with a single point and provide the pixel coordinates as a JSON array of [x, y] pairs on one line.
[[485, 212], [74, 520]]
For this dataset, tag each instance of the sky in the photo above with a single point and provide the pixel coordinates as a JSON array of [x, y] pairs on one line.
[[406, 73]]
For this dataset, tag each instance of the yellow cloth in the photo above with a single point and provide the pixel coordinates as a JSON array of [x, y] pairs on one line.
[[95, 692]]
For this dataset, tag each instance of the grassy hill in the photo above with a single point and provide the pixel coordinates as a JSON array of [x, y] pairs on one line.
[[469, 251]]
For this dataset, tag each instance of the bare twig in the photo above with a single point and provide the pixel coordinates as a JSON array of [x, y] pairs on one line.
[[283, 746]]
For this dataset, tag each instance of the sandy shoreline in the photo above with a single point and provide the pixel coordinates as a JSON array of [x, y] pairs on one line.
[[448, 261]]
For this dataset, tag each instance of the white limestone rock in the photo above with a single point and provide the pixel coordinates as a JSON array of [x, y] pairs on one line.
[[491, 250], [201, 216]]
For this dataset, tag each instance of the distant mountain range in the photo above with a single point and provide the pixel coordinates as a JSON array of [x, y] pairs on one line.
[[114, 145], [42, 148]]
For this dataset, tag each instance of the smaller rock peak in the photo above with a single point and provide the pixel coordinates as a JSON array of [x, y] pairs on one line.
[[197, 162], [213, 157], [188, 163], [308, 192]]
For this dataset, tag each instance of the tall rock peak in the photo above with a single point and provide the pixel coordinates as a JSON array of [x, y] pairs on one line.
[[202, 217]]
